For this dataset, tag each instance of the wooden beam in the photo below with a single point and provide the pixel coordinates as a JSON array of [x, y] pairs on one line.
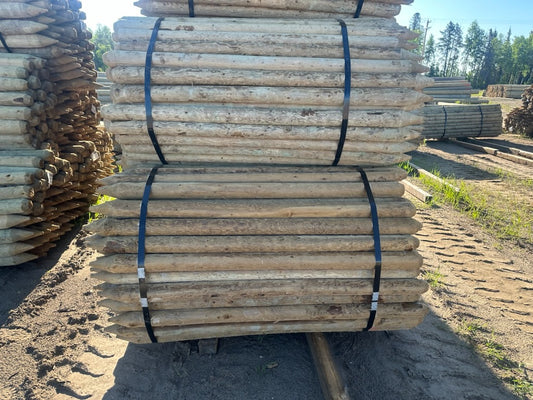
[[417, 192], [331, 382]]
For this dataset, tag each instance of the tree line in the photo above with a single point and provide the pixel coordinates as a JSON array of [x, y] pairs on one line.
[[484, 58]]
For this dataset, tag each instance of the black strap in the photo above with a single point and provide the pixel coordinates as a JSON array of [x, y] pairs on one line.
[[347, 91], [141, 256], [359, 8], [482, 118], [377, 250], [445, 122], [191, 8], [4, 43], [148, 94]]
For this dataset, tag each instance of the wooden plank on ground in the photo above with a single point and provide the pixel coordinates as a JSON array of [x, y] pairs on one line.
[[333, 387], [417, 192]]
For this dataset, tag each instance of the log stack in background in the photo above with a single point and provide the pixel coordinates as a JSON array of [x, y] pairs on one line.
[[455, 121], [451, 90], [250, 250], [248, 230], [103, 89], [309, 9], [261, 91], [509, 91], [52, 151], [520, 120]]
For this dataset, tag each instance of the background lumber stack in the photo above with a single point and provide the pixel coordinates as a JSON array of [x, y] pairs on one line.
[[272, 8], [510, 91], [103, 89], [451, 90], [248, 250], [520, 120], [264, 91], [453, 121], [249, 230], [50, 139]]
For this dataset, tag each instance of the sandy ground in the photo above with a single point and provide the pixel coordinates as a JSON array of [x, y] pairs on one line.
[[53, 344]]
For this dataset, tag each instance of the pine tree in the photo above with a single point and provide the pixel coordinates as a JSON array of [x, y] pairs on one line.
[[416, 26], [449, 46], [487, 72], [474, 51], [429, 56]]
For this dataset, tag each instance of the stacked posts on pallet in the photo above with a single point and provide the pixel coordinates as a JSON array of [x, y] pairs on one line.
[[264, 91], [311, 9], [238, 250], [509, 91], [55, 109], [236, 243], [455, 121], [520, 120], [452, 89]]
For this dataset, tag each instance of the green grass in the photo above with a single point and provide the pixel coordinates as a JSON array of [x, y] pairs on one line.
[[483, 341], [91, 216], [502, 214], [435, 279], [520, 386], [471, 328]]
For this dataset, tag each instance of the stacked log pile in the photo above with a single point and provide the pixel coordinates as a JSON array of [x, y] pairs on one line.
[[520, 120], [248, 229], [264, 91], [509, 91], [103, 89], [451, 90], [248, 250], [455, 121], [51, 150], [271, 8]]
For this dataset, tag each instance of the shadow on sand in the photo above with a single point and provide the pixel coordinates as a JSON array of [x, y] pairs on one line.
[[429, 362], [18, 281]]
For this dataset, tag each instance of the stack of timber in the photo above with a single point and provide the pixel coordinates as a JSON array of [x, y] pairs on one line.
[[451, 90], [103, 89], [520, 120], [456, 121], [52, 151], [264, 91], [239, 250], [310, 9], [509, 91]]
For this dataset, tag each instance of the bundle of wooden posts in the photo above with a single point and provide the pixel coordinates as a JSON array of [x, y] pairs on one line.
[[509, 91], [261, 91], [272, 8], [451, 89], [51, 149], [236, 250], [520, 120], [453, 121], [103, 89]]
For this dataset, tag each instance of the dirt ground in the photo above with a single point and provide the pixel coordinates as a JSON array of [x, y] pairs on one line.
[[53, 344]]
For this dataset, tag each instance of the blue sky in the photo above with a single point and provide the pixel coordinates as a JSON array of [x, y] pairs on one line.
[[498, 14]]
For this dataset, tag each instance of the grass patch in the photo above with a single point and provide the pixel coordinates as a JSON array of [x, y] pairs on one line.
[[435, 279], [520, 386], [502, 214], [91, 216], [484, 343], [471, 329]]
